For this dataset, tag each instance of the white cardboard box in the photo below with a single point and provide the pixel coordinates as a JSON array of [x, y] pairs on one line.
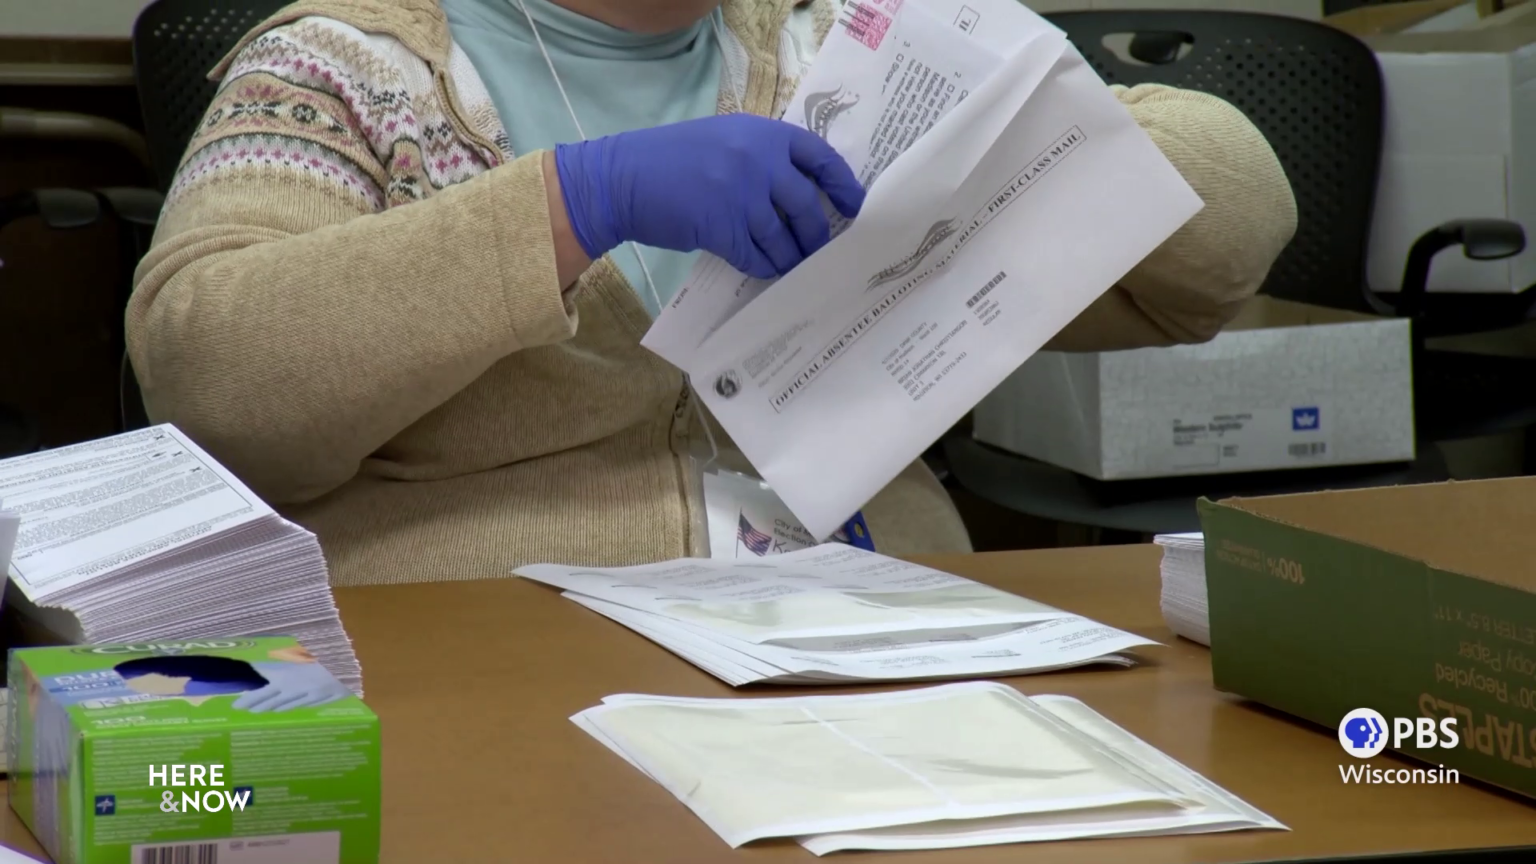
[[1459, 141], [1285, 386]]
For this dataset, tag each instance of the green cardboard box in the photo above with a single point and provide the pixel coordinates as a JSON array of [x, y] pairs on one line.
[[1414, 601], [221, 751]]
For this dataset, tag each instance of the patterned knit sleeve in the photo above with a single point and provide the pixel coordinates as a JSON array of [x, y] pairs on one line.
[[1199, 279], [290, 108], [315, 286]]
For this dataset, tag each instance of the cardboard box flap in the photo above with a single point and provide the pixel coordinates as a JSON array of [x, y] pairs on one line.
[[1460, 18], [1479, 40], [1388, 17], [1517, 14], [1263, 313], [1484, 528]]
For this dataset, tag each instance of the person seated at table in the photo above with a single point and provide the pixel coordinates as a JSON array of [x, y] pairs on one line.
[[397, 294]]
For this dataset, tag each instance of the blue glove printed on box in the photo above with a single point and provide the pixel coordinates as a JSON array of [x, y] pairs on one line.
[[291, 685], [745, 188]]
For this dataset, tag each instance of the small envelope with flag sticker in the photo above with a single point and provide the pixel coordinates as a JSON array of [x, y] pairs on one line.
[[747, 520]]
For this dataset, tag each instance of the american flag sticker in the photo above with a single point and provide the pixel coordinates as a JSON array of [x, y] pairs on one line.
[[756, 541]]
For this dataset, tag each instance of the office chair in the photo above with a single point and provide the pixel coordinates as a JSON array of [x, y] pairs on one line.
[[1316, 94]]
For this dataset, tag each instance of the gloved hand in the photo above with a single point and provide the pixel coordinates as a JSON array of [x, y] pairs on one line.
[[740, 186], [291, 685]]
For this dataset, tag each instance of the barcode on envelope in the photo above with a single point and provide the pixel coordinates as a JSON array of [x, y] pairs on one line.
[[986, 289], [1309, 449]]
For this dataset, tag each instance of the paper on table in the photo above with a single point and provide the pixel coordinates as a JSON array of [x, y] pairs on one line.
[[1218, 809], [883, 77], [844, 371], [1056, 644], [105, 504], [810, 765], [813, 598]]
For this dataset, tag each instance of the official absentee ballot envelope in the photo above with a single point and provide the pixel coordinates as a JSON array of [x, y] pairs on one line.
[[990, 232]]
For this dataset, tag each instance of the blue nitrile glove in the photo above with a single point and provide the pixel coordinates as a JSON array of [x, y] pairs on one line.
[[740, 186], [292, 685]]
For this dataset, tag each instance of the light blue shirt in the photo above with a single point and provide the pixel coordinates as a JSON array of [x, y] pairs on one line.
[[617, 81]]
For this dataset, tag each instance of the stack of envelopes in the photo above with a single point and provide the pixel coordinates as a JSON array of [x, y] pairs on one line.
[[832, 614], [958, 765], [1186, 608], [145, 538]]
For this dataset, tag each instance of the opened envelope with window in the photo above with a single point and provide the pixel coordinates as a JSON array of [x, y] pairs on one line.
[[1008, 190]]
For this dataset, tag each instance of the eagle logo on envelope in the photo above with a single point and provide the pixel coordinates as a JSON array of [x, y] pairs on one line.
[[728, 385], [937, 234], [822, 108]]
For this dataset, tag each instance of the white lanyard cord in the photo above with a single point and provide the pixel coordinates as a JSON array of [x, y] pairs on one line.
[[650, 283]]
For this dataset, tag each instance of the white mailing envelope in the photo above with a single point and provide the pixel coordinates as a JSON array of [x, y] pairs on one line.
[[1020, 206]]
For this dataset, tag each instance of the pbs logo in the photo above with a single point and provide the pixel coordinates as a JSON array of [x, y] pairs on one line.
[[1364, 733]]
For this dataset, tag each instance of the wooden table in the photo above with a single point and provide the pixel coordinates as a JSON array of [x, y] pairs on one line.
[[475, 681]]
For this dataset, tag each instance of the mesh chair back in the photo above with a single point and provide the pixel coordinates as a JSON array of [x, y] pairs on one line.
[[175, 44], [1314, 91]]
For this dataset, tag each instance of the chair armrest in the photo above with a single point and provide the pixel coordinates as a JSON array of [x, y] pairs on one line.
[[1480, 239], [59, 208]]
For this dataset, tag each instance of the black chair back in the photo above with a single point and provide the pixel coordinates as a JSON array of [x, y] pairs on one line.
[[175, 44], [1314, 91]]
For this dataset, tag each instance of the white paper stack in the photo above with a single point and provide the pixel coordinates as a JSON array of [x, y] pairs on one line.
[[1185, 607], [833, 614], [959, 765], [10, 524], [143, 537]]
